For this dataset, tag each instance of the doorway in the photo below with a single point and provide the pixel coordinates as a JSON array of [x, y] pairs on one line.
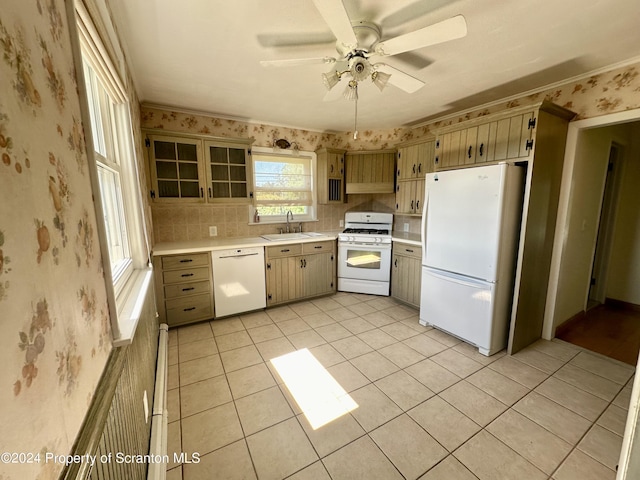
[[597, 286]]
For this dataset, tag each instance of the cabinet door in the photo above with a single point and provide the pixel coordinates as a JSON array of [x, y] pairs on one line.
[[284, 279], [470, 150], [399, 279], [405, 197], [414, 275], [175, 168], [318, 274], [228, 172], [418, 196], [335, 165], [425, 158], [482, 143], [330, 168], [407, 162]]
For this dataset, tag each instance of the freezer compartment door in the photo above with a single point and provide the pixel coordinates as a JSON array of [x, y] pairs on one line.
[[460, 305]]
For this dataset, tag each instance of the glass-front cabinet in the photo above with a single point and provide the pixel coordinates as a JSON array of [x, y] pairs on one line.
[[227, 171], [199, 169]]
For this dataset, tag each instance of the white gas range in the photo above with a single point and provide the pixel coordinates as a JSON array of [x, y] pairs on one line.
[[364, 253]]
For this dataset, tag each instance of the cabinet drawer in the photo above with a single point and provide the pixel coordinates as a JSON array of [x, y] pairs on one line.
[[284, 250], [317, 247], [185, 261], [181, 310], [186, 275], [407, 250], [184, 289]]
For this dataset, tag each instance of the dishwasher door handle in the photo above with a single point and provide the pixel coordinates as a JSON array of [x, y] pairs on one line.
[[240, 256]]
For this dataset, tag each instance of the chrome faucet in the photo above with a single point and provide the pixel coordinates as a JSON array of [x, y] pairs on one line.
[[289, 213]]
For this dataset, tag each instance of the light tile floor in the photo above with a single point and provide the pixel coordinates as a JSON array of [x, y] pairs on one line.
[[429, 406]]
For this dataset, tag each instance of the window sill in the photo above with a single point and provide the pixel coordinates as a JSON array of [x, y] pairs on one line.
[[280, 222], [131, 307]]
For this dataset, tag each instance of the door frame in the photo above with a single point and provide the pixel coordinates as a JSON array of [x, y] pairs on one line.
[[629, 462]]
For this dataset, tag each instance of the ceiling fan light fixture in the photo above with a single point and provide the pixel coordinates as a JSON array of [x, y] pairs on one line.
[[330, 79], [380, 79], [351, 92]]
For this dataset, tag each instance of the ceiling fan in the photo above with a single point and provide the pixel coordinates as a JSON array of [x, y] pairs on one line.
[[360, 42]]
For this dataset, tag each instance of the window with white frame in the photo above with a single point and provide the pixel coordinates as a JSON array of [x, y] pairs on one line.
[[115, 181], [103, 111], [283, 182]]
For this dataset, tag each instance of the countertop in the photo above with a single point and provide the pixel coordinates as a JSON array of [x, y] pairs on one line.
[[406, 237], [210, 245]]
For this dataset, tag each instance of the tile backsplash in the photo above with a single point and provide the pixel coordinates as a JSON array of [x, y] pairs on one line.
[[191, 222]]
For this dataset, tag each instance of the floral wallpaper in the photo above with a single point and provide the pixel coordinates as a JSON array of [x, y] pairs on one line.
[[610, 92], [601, 94], [54, 316]]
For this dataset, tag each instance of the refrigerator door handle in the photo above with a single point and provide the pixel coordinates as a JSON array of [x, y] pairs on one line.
[[465, 281], [423, 226]]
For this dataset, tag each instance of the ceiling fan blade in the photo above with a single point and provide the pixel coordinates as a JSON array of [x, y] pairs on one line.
[[411, 12], [297, 61], [335, 15], [402, 80], [450, 29], [295, 39]]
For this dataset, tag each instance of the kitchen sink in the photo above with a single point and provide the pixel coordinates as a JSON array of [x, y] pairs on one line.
[[285, 236]]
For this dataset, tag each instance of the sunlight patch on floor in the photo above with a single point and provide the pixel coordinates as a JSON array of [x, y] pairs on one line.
[[318, 394]]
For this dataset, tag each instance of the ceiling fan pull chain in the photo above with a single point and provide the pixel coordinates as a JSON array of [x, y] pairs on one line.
[[355, 120]]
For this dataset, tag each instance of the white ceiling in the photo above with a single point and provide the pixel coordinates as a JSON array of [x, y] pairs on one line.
[[204, 55]]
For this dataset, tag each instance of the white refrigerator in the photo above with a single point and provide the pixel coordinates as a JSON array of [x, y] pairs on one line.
[[470, 232]]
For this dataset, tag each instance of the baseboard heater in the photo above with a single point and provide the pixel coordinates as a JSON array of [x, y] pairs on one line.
[[159, 418]]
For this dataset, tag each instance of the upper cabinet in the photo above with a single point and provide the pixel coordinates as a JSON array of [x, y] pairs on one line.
[[330, 175], [175, 171], [199, 169], [370, 171], [228, 175], [508, 136], [415, 160]]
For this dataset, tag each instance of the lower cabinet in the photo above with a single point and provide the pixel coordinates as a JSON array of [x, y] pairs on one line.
[[183, 288], [300, 271], [406, 273]]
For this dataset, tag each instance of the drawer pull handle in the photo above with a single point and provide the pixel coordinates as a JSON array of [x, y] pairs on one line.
[[187, 275], [189, 309], [284, 250], [186, 260], [481, 149], [188, 289], [318, 246], [409, 250]]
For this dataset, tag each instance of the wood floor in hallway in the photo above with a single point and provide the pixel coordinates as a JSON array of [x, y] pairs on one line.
[[609, 329]]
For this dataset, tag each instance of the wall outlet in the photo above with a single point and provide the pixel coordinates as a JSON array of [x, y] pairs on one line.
[[213, 231], [405, 227], [342, 223]]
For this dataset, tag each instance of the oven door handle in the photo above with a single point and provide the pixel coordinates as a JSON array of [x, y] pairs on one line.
[[366, 246]]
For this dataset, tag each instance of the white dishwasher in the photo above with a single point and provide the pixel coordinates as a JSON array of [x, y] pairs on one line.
[[238, 280]]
